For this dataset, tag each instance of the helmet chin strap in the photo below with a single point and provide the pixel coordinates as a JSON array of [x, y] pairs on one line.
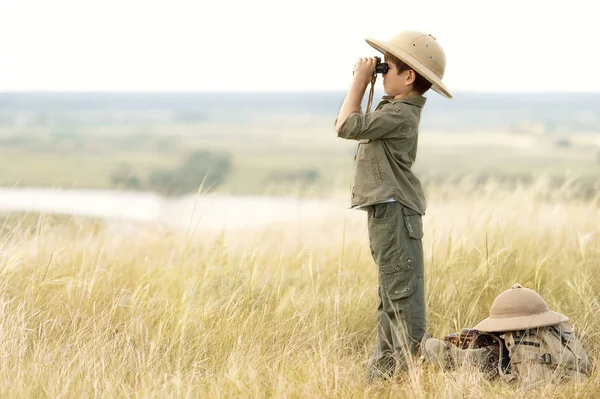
[[373, 79]]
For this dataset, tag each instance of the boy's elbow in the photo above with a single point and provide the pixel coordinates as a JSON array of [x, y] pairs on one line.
[[343, 129], [338, 125], [350, 127], [341, 133], [338, 129]]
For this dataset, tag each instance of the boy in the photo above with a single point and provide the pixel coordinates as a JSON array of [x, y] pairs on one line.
[[387, 189]]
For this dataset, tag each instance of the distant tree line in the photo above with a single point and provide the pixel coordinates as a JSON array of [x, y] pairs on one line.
[[295, 176], [199, 169]]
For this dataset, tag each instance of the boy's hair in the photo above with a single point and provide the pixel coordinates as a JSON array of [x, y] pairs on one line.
[[421, 85]]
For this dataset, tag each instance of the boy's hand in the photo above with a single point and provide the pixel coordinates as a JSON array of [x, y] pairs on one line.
[[363, 70]]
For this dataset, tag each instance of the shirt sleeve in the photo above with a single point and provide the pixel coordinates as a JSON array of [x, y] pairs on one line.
[[379, 124]]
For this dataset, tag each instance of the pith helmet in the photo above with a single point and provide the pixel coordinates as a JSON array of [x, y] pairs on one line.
[[421, 52], [519, 308]]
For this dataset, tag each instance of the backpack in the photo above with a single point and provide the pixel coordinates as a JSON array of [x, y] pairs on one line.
[[545, 354]]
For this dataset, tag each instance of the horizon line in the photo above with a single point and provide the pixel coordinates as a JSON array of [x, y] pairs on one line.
[[290, 91]]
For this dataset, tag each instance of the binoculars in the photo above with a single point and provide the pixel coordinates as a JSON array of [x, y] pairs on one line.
[[380, 67]]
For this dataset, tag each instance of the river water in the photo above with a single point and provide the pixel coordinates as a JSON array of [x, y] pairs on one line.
[[201, 211]]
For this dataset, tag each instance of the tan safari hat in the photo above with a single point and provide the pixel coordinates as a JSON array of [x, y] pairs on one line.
[[519, 308], [421, 52]]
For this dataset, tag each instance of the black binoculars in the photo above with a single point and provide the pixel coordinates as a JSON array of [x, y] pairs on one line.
[[381, 67]]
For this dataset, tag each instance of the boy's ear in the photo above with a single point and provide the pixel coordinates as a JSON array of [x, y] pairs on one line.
[[410, 77]]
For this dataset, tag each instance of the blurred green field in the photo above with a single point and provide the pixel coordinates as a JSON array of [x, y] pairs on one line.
[[262, 155]]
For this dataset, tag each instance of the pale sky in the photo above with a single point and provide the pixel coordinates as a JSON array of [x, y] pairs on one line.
[[241, 45]]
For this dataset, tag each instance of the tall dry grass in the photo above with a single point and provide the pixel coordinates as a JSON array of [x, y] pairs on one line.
[[90, 310]]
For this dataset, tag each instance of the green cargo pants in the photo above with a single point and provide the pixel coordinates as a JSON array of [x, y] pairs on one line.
[[395, 233]]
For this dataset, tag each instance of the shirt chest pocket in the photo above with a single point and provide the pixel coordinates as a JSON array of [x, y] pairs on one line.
[[362, 149], [367, 163]]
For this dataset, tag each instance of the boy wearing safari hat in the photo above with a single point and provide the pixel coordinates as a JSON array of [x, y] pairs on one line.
[[388, 190]]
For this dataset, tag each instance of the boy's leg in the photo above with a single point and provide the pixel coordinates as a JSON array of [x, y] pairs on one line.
[[395, 233], [383, 363]]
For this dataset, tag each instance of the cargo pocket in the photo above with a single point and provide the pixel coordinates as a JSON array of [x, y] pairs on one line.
[[414, 223], [382, 233], [397, 280]]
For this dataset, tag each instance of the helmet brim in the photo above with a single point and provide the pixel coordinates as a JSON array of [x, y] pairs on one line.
[[436, 83], [548, 318]]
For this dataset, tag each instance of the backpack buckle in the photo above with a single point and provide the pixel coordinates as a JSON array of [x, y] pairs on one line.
[[546, 358]]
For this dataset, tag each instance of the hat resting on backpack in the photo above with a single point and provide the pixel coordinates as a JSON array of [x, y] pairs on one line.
[[517, 309], [421, 52]]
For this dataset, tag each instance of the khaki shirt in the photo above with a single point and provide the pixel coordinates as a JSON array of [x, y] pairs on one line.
[[387, 148]]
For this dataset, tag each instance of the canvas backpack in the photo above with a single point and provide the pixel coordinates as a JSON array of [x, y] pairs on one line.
[[545, 354]]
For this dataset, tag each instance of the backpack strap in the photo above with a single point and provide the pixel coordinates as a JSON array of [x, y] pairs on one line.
[[504, 361]]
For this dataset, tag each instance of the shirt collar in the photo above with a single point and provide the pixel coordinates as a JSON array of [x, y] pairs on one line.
[[414, 99]]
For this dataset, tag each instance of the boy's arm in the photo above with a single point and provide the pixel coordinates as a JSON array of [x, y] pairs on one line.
[[379, 124], [351, 123], [351, 102], [363, 72]]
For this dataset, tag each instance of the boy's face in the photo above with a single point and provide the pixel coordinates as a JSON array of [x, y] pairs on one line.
[[395, 84]]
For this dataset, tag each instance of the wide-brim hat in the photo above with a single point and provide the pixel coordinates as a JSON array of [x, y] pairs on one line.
[[517, 309], [421, 52]]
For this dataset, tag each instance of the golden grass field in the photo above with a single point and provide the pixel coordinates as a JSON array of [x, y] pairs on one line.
[[286, 311]]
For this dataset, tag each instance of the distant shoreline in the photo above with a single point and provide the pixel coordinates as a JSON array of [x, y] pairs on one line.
[[559, 113], [273, 92]]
